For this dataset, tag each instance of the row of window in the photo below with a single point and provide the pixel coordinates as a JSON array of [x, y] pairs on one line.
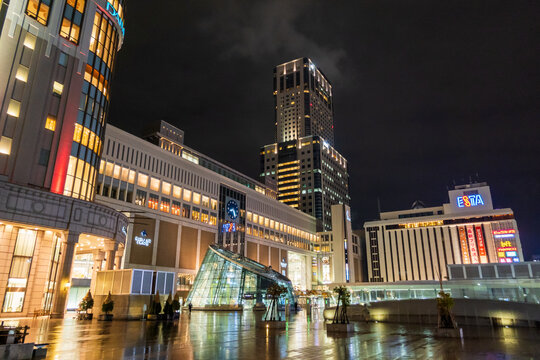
[[276, 225]]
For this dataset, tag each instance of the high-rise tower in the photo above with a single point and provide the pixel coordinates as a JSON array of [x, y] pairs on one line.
[[311, 175], [303, 101]]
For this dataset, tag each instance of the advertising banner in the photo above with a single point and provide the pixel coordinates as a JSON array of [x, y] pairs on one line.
[[464, 247], [472, 245], [481, 244]]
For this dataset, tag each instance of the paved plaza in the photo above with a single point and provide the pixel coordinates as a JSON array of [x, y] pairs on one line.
[[233, 335]]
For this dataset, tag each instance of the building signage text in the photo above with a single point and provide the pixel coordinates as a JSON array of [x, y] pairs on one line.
[[470, 200], [142, 240]]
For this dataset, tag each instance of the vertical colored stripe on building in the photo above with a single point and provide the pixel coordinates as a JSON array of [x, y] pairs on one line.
[[481, 244], [464, 247], [472, 245]]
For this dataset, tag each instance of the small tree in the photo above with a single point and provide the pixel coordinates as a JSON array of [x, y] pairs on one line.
[[87, 303], [176, 302], [108, 304], [274, 291], [155, 307], [344, 298], [168, 308], [445, 303]]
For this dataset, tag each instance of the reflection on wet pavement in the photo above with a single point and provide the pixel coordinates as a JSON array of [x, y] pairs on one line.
[[233, 335]]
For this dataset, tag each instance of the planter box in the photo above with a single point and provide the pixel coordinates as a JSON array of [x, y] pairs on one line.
[[105, 317], [447, 333], [272, 324], [346, 328]]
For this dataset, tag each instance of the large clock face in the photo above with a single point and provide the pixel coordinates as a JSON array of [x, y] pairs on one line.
[[232, 209]]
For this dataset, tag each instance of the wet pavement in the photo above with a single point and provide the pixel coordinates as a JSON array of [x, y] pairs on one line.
[[234, 335]]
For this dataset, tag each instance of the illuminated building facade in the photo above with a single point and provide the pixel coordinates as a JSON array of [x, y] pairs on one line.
[[181, 201], [56, 63], [307, 171], [303, 101], [418, 244]]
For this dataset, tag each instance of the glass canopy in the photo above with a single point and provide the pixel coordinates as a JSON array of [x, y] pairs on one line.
[[229, 279]]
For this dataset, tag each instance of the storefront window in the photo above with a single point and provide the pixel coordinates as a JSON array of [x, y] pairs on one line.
[[165, 205], [185, 211], [153, 201], [195, 215], [82, 266], [140, 198], [19, 271], [204, 216], [176, 208]]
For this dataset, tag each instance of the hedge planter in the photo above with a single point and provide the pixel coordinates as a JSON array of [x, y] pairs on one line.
[[343, 328], [105, 317]]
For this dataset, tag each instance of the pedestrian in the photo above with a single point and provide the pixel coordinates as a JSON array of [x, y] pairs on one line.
[[295, 306], [189, 307]]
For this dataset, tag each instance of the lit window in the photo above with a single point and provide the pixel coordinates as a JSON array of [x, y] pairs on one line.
[[154, 184], [14, 108], [142, 180], [124, 176], [255, 218], [249, 216], [77, 133], [58, 88], [116, 171], [72, 20], [50, 123], [22, 73], [213, 203], [176, 208], [177, 191], [153, 201], [165, 205], [5, 145], [196, 198], [187, 195], [166, 188], [205, 201], [102, 166], [131, 177], [39, 10], [30, 41], [195, 215]]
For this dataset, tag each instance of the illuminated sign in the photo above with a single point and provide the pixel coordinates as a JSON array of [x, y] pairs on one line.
[[228, 227], [326, 270], [124, 230], [499, 234], [472, 245], [470, 200], [481, 245], [348, 214], [115, 14], [142, 240], [464, 248]]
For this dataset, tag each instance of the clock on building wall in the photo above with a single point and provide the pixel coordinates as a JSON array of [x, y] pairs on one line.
[[232, 210]]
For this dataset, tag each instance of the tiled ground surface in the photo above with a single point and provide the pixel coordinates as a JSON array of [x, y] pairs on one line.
[[224, 335]]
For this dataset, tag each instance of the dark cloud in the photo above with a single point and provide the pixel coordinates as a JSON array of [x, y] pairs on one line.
[[425, 92]]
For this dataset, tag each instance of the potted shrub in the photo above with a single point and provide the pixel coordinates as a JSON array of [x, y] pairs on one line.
[[340, 322], [86, 305], [168, 311], [272, 316], [176, 306], [107, 307], [155, 308]]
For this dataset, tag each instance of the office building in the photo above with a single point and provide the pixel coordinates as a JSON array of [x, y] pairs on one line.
[[303, 101], [56, 63], [181, 201], [308, 172], [418, 244]]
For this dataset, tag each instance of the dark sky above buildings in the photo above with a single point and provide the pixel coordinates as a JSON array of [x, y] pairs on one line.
[[425, 93]]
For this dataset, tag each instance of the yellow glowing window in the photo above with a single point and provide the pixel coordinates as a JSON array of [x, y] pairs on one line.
[[249, 216], [166, 188], [91, 140], [196, 198], [109, 169], [85, 136], [30, 41], [14, 108], [125, 174], [5, 145], [177, 191], [38, 10], [22, 73], [154, 184], [255, 218], [142, 180], [261, 220], [50, 123], [213, 203], [205, 201], [131, 177], [58, 88], [116, 171], [187, 195], [102, 166]]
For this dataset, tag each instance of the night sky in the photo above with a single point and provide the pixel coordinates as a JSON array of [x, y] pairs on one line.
[[425, 93]]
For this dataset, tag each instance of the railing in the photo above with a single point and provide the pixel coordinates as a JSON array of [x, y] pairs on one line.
[[13, 334]]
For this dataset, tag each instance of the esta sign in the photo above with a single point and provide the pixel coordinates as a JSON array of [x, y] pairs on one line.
[[469, 200]]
